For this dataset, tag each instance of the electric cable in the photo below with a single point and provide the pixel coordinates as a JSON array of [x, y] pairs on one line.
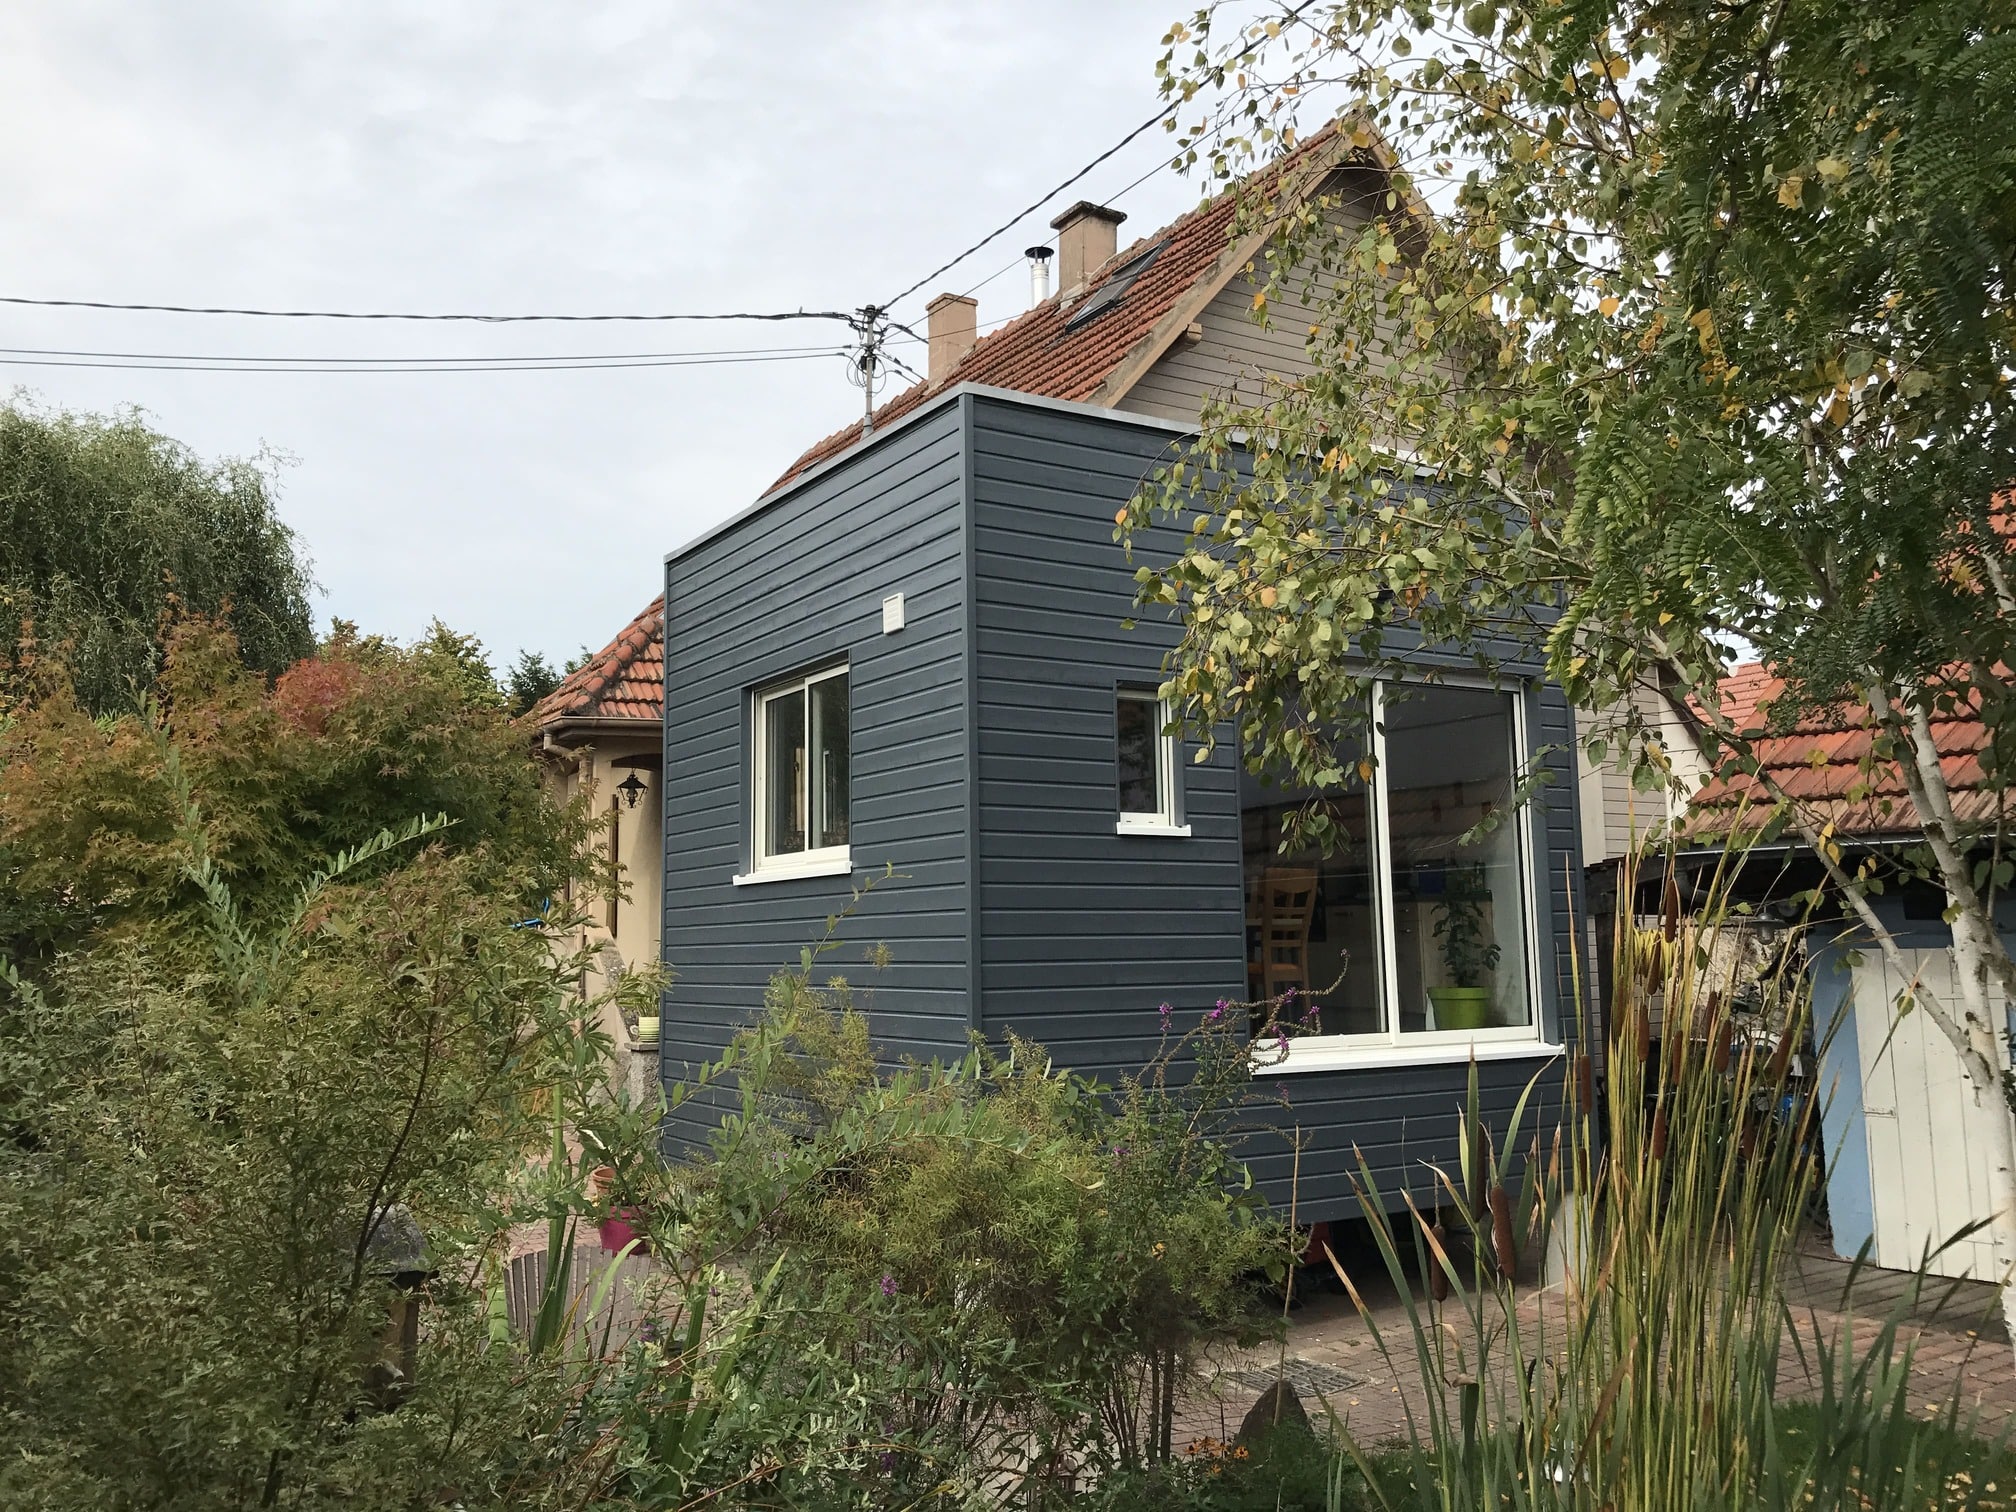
[[501, 367], [174, 309], [389, 361]]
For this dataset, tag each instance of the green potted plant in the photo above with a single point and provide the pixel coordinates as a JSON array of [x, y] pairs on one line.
[[1469, 953]]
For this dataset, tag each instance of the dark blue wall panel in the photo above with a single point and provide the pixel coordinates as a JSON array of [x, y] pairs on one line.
[[983, 769], [796, 584], [1085, 931]]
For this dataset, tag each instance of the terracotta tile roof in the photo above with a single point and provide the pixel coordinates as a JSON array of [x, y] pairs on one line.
[[1040, 352], [624, 680], [1824, 762]]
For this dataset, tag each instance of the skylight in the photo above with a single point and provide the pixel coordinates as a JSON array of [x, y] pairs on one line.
[[1111, 292]]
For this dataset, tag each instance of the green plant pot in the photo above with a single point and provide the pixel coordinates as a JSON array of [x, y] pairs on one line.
[[1461, 1007], [647, 1029]]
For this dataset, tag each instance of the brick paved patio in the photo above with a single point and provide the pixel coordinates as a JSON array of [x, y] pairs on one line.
[[1958, 1337]]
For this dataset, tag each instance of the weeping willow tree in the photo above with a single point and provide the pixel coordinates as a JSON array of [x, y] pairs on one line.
[[104, 522], [1682, 325]]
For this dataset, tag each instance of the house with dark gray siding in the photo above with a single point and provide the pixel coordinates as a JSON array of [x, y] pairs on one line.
[[913, 653], [915, 657]]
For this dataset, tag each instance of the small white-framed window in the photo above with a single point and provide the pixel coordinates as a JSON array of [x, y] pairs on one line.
[[1144, 764], [799, 788]]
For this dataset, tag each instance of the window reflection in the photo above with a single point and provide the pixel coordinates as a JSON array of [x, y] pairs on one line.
[[1460, 957], [1311, 920], [1456, 900]]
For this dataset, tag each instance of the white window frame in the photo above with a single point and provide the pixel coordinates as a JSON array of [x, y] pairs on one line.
[[1391, 1045], [814, 861], [1167, 820]]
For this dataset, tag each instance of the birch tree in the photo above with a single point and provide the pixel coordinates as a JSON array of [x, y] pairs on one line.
[[1676, 328]]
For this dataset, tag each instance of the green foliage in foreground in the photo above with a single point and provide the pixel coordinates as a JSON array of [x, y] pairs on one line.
[[203, 1146], [363, 736], [883, 1288], [254, 1009], [105, 523], [233, 1066], [1027, 1304]]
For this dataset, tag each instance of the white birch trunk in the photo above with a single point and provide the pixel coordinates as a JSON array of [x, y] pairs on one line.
[[1979, 960]]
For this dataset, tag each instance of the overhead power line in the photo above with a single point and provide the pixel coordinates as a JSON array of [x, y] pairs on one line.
[[229, 366], [1117, 194], [173, 309], [472, 358], [1027, 210], [1037, 204]]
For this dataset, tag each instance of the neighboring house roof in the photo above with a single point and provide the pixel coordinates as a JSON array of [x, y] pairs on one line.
[[1823, 762], [1092, 346], [625, 680]]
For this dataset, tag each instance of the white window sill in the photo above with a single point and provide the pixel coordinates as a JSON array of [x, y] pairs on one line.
[[837, 865], [1152, 827], [1341, 1057]]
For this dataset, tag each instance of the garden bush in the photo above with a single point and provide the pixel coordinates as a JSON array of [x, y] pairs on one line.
[[263, 1013], [1005, 1271]]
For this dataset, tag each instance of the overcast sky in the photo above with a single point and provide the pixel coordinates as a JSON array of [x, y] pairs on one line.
[[582, 157]]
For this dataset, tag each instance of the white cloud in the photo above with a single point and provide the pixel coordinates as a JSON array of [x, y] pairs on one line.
[[632, 156]]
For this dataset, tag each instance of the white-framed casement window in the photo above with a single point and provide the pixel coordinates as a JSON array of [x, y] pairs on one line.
[[1144, 764], [798, 790], [1414, 938]]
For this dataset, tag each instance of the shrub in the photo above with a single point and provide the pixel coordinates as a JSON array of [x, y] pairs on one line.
[[1020, 1269], [209, 1153], [234, 1069], [363, 737]]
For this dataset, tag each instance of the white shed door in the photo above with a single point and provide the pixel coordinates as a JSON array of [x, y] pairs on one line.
[[1928, 1157]]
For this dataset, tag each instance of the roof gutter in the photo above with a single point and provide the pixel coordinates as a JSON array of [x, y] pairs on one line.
[[556, 735]]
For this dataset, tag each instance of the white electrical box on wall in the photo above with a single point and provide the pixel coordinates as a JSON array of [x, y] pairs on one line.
[[892, 614]]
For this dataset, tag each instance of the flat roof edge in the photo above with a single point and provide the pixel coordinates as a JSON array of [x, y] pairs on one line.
[[928, 408]]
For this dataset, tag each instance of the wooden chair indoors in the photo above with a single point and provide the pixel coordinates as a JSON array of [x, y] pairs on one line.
[[1288, 904]]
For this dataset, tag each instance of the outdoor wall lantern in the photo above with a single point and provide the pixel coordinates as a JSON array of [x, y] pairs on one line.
[[631, 789]]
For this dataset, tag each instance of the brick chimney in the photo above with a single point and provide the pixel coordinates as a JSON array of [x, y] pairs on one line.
[[1087, 237], [953, 328]]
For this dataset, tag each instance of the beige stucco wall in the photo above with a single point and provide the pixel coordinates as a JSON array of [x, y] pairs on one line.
[[625, 929]]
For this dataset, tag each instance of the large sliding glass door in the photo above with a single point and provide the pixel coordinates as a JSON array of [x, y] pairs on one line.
[[1419, 923]]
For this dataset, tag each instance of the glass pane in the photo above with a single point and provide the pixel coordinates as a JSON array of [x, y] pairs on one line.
[[1139, 754], [1312, 921], [829, 758], [1459, 905], [784, 774]]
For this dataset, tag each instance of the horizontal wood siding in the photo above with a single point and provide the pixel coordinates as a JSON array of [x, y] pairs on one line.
[[797, 585], [1404, 1122], [1236, 353], [1084, 931]]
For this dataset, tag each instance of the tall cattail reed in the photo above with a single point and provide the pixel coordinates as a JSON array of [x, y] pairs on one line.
[[1633, 1363]]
